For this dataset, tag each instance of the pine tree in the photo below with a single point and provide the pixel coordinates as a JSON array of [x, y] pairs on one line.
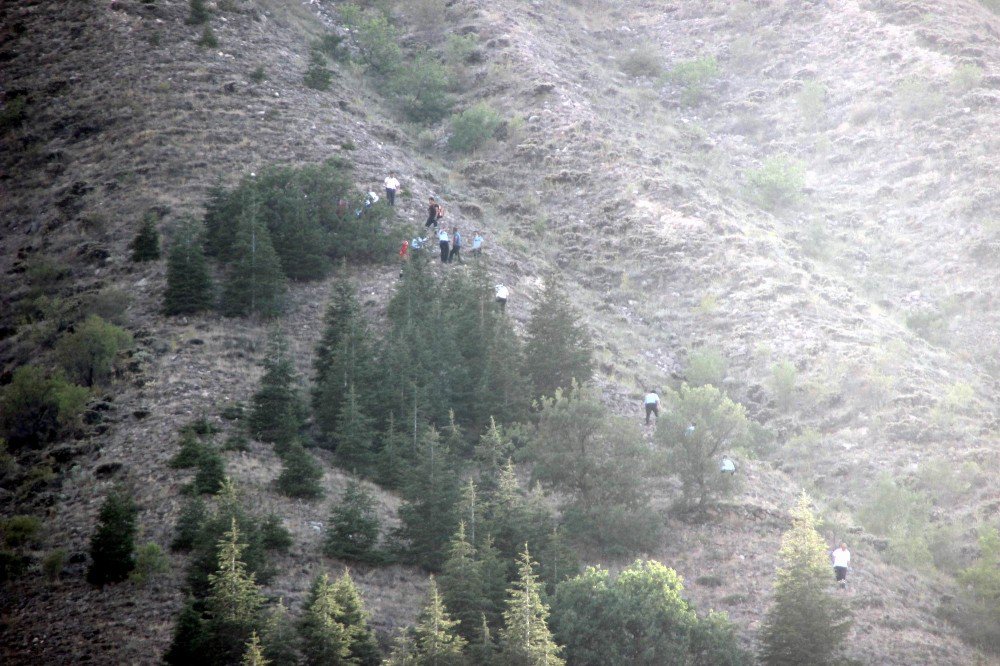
[[559, 347], [806, 624], [254, 655], [279, 637], [197, 12], [255, 284], [491, 452], [211, 472], [221, 209], [430, 496], [557, 560], [317, 76], [469, 510], [277, 412], [189, 288], [300, 474], [146, 244], [233, 602], [353, 529], [462, 585], [433, 641], [364, 648], [511, 519], [344, 359], [495, 573], [354, 436], [503, 392], [112, 547], [324, 639], [483, 651], [525, 639], [294, 204], [190, 452], [187, 646], [394, 456], [454, 441], [189, 524], [208, 38]]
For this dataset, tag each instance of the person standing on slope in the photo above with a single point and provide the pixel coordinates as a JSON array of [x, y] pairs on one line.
[[502, 293], [841, 560], [652, 403], [456, 245], [443, 244], [434, 213], [391, 185], [477, 244]]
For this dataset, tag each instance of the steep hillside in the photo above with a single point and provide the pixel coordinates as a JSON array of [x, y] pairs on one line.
[[875, 276]]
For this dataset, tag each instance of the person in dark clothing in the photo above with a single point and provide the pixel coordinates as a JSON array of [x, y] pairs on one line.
[[456, 245], [434, 213], [443, 244]]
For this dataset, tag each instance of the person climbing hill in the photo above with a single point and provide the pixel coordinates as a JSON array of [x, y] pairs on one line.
[[652, 403], [841, 561], [443, 244], [435, 212], [477, 244], [501, 294], [456, 245]]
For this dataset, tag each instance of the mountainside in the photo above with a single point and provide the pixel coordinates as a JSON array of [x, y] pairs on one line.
[[804, 191]]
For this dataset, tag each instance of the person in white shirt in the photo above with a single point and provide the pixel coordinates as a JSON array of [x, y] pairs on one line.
[[652, 402], [502, 293], [841, 560], [443, 242], [370, 201], [391, 185], [477, 244]]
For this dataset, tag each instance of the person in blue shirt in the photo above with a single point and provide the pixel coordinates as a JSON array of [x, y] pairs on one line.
[[456, 245]]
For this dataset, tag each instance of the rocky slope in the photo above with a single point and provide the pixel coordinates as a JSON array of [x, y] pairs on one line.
[[638, 198]]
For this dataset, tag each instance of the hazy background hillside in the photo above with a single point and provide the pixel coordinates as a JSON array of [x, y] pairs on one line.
[[796, 201]]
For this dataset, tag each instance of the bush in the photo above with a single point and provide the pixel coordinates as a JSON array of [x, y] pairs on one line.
[[35, 409], [376, 40], [317, 76], [197, 12], [146, 245], [190, 452], [421, 90], [777, 183], [258, 75], [150, 562], [12, 565], [706, 366], [901, 515], [644, 60], [693, 76], [211, 472], [53, 563], [88, 354], [979, 616], [13, 113], [208, 39], [19, 531], [113, 543], [473, 127], [783, 377]]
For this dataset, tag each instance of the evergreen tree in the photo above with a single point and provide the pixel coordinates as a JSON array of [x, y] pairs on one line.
[[490, 453], [806, 623], [233, 602], [255, 284], [189, 524], [433, 641], [317, 76], [208, 38], [483, 651], [511, 519], [190, 452], [324, 640], [189, 288], [354, 436], [462, 586], [279, 638], [112, 547], [300, 474], [430, 496], [557, 560], [344, 359], [559, 347], [211, 472], [188, 644], [277, 412], [364, 648], [503, 392], [353, 529], [525, 639], [495, 573], [220, 211], [197, 12], [300, 240], [254, 655], [468, 509], [394, 456], [146, 244]]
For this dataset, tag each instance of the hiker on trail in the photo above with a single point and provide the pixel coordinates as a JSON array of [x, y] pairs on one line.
[[443, 244], [370, 201], [435, 212], [456, 245], [391, 185], [404, 250], [502, 293], [841, 560], [652, 402], [477, 244]]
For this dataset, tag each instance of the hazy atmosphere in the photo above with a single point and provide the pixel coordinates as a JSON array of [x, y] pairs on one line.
[[511, 333]]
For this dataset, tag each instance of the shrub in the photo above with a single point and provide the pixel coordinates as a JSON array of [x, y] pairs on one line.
[[211, 472], [332, 45], [992, 5], [197, 12], [966, 77], [901, 515], [916, 97], [258, 75], [35, 409], [317, 76], [300, 474], [13, 113], [777, 183], [693, 76], [376, 40], [473, 127], [980, 616], [12, 565], [811, 100], [706, 366], [150, 562], [146, 245], [53, 563], [783, 377], [644, 60], [699, 426], [88, 353], [19, 531], [113, 543], [190, 452], [421, 90], [208, 39]]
